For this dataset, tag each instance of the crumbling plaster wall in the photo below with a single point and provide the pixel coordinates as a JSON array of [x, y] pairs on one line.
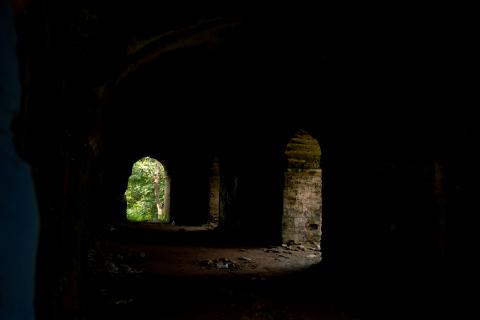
[[302, 212]]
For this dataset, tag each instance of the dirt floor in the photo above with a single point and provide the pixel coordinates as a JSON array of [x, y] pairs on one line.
[[193, 257], [172, 272]]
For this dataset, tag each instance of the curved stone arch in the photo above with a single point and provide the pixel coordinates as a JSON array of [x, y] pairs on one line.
[[209, 32], [302, 197], [206, 33]]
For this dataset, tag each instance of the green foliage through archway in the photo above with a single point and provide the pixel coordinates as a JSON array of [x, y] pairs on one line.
[[145, 193]]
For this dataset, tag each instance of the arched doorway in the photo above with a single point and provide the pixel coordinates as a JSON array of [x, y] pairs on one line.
[[148, 192], [302, 195]]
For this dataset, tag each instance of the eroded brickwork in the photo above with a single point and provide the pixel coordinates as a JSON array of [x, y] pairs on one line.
[[302, 206], [214, 203]]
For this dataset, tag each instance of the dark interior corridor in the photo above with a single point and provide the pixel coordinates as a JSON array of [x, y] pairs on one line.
[[318, 160]]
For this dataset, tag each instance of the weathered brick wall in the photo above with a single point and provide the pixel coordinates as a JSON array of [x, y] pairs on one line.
[[302, 205], [166, 207], [214, 204]]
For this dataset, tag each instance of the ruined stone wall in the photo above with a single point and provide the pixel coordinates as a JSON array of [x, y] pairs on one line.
[[302, 211], [214, 204], [303, 206]]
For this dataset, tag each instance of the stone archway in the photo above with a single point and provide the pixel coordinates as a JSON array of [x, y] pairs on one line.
[[148, 192], [302, 195]]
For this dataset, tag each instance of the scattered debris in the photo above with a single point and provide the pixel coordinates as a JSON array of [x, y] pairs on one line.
[[247, 259], [206, 262], [220, 263], [225, 263], [212, 225], [91, 255], [282, 256], [111, 267], [272, 250], [288, 248], [301, 247], [311, 256], [127, 269], [124, 301]]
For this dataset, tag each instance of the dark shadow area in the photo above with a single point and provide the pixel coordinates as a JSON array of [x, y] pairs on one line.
[[235, 101], [139, 267]]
